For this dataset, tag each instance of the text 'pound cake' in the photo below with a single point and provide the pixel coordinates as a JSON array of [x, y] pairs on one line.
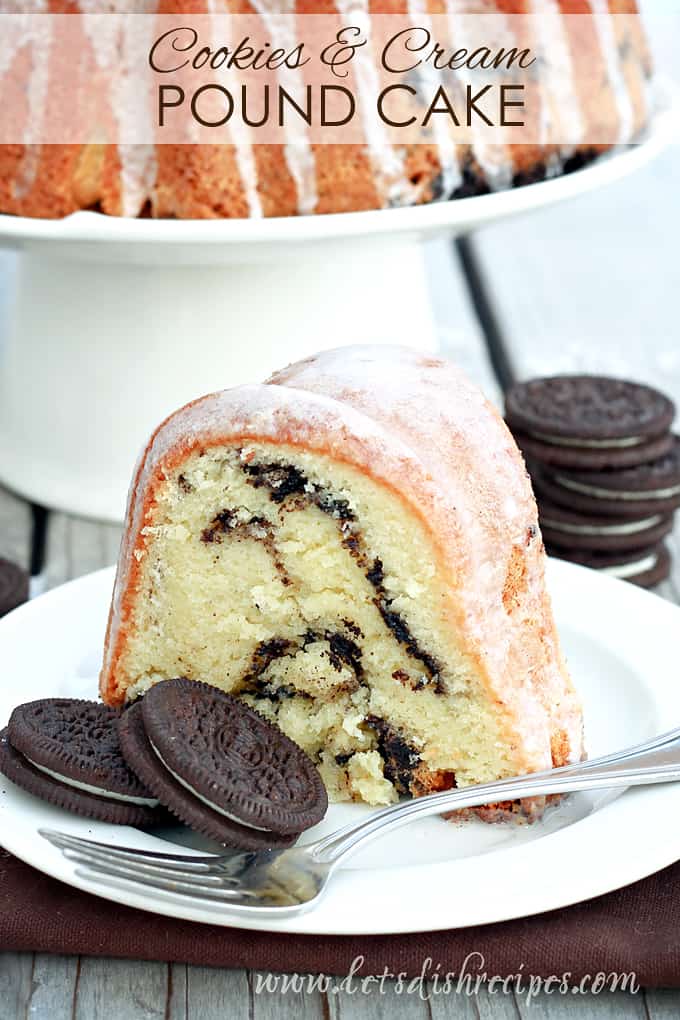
[[353, 549]]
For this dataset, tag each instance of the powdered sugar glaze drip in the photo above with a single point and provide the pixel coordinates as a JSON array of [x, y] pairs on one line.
[[37, 92], [387, 159], [138, 165], [243, 144], [451, 176], [277, 16]]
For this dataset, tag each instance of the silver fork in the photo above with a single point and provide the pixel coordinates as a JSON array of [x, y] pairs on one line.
[[285, 882]]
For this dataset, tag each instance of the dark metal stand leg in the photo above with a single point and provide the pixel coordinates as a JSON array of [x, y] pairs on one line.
[[483, 306], [40, 517]]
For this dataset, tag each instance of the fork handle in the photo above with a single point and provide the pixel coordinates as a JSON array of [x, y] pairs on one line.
[[656, 762]]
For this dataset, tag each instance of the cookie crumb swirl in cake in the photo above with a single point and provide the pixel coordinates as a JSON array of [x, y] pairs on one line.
[[353, 549]]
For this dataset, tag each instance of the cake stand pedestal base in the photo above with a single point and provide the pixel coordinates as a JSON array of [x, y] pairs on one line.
[[97, 351]]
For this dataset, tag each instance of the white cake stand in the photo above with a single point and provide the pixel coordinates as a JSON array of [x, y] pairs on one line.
[[113, 323]]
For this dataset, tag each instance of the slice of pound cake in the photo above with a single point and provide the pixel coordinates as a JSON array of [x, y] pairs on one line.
[[352, 548]]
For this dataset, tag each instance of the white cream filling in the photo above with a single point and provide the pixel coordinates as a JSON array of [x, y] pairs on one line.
[[635, 497], [204, 800], [589, 444], [602, 529], [86, 788], [625, 570]]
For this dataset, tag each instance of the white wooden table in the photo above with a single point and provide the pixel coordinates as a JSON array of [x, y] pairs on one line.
[[594, 286]]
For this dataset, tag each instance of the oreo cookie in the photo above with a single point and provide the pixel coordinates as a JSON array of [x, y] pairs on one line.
[[189, 808], [13, 586], [220, 767], [646, 489], [577, 411], [646, 567], [567, 529], [67, 753], [593, 456]]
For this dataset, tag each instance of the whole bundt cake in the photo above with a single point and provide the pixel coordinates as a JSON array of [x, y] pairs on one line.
[[594, 95]]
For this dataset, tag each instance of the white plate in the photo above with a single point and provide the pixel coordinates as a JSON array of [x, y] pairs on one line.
[[110, 238], [622, 646]]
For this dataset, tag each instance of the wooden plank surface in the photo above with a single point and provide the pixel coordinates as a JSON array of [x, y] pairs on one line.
[[139, 990], [16, 971], [53, 986], [662, 1004], [588, 285]]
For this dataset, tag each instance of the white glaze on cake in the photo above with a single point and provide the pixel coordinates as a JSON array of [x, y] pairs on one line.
[[138, 169], [138, 163], [606, 34], [386, 159], [451, 176], [276, 15], [243, 145], [39, 44], [493, 159], [561, 116]]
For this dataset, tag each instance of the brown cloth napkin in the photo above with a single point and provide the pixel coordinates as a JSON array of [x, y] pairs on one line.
[[635, 929]]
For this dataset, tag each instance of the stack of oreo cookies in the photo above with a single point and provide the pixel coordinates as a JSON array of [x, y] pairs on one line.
[[186, 749], [606, 470]]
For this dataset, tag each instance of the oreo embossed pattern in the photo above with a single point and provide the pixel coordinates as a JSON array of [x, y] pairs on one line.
[[606, 470]]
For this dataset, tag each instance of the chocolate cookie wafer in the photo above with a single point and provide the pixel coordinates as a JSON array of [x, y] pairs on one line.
[[646, 489], [571, 530], [228, 756], [67, 753], [588, 412], [646, 567], [592, 456], [193, 810]]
